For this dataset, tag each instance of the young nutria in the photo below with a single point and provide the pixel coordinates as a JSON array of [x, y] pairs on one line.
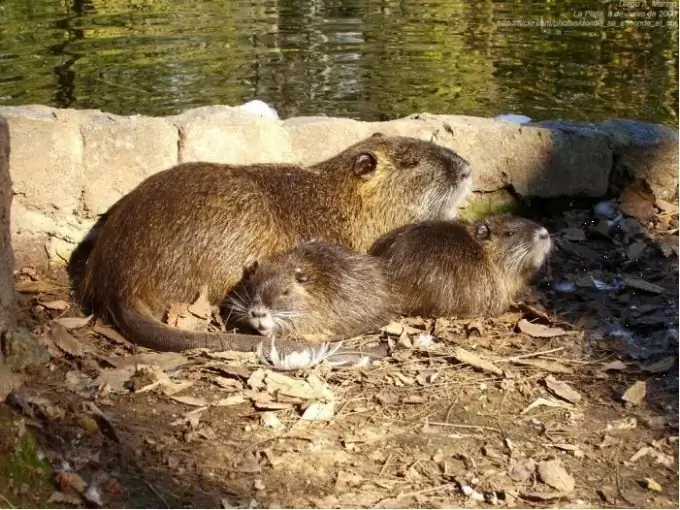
[[315, 289], [451, 268], [199, 224]]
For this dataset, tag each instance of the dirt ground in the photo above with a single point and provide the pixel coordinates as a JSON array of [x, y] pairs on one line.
[[570, 399]]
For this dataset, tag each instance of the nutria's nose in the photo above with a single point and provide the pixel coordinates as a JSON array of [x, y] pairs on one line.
[[543, 234], [258, 313], [464, 169]]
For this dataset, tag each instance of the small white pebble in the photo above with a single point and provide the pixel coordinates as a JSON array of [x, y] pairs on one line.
[[93, 495], [513, 118], [258, 484], [424, 340], [471, 493]]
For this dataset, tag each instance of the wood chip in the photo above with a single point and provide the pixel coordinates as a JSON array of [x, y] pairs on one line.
[[67, 342], [474, 360], [539, 330], [318, 411]]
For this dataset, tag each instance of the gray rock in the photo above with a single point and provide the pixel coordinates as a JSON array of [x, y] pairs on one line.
[[22, 349]]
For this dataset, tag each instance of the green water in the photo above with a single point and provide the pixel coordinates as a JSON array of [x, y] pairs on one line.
[[370, 60]]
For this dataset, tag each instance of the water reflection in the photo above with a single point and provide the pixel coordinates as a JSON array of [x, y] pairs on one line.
[[368, 59]]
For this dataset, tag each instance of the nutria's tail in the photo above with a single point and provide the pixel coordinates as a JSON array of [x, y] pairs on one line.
[[144, 329]]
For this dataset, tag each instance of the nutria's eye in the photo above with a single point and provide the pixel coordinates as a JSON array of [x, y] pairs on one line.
[[300, 275], [483, 231], [365, 164], [378, 134], [248, 271], [286, 292]]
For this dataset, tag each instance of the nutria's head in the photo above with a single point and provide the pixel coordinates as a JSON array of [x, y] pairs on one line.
[[313, 288], [397, 180], [517, 245]]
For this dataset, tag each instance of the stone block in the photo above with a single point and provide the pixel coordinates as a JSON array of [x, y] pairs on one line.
[[120, 152], [222, 134]]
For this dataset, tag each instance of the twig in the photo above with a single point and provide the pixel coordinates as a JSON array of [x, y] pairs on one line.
[[530, 355], [425, 491], [158, 494], [463, 426], [619, 486], [6, 501], [384, 466]]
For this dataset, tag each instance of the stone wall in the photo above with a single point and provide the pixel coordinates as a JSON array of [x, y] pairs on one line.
[[68, 166]]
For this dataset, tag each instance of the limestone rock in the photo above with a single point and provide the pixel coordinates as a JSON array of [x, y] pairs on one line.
[[648, 152], [120, 152], [314, 139], [222, 134], [22, 349], [46, 160]]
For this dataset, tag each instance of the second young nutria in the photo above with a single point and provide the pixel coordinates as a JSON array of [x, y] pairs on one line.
[[199, 224], [315, 289], [452, 268]]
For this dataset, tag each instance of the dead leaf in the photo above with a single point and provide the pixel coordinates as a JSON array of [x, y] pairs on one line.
[[553, 473], [651, 484], [73, 322], [639, 284], [562, 390], [539, 330], [637, 201], [230, 401], [544, 402], [190, 401], [67, 342], [636, 393], [623, 424], [663, 365], [62, 497], [226, 382], [318, 411], [521, 470], [59, 305], [615, 365], [474, 360], [581, 251], [70, 481], [636, 250], [573, 234]]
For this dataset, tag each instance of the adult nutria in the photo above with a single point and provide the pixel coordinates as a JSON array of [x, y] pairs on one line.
[[452, 268], [199, 224], [315, 289]]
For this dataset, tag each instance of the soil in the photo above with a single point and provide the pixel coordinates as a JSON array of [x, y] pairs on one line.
[[570, 399]]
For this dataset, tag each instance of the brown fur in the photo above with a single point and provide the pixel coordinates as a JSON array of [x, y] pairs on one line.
[[201, 223], [452, 268], [315, 289]]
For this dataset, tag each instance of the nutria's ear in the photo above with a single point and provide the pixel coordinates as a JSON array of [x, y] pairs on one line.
[[378, 134], [300, 275], [482, 231], [249, 270], [364, 165]]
